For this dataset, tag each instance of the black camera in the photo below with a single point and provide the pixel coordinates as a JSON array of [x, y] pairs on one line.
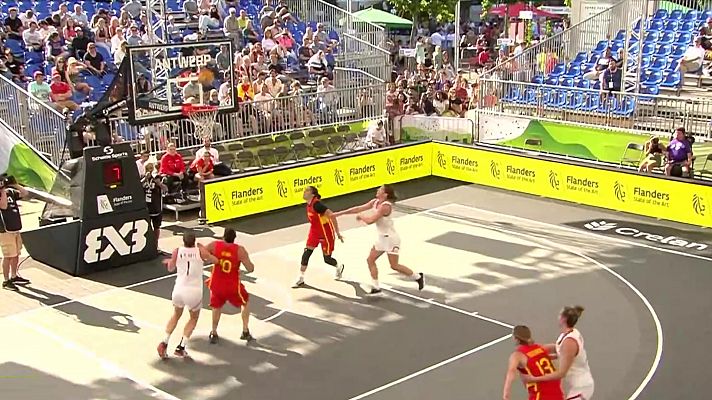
[[7, 180]]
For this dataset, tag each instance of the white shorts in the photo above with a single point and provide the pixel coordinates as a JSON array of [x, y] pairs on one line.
[[189, 297], [580, 393], [388, 243]]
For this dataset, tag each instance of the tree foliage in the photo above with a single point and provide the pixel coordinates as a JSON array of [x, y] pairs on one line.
[[422, 11]]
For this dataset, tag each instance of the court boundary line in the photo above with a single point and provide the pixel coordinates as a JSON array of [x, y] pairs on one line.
[[432, 367], [641, 296], [106, 364]]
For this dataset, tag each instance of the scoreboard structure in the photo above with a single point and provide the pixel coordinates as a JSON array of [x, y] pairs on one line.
[[107, 224]]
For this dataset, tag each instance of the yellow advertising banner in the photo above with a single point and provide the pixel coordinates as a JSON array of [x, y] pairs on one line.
[[621, 191], [252, 194]]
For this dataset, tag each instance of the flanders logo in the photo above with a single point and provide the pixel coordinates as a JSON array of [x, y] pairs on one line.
[[282, 188], [600, 226], [554, 180], [390, 166], [339, 177], [620, 191], [442, 162], [494, 169], [218, 201], [698, 205]]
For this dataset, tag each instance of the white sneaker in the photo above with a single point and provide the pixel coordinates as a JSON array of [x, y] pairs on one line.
[[300, 282], [339, 271]]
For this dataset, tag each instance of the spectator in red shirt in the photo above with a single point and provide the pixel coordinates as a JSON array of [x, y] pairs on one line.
[[61, 93], [173, 168], [203, 167]]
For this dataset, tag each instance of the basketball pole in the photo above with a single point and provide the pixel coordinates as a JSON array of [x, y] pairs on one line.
[[456, 45]]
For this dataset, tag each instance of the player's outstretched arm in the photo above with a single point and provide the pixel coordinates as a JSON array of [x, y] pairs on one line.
[[569, 349], [171, 262], [206, 255], [511, 374], [356, 209], [382, 210], [244, 257]]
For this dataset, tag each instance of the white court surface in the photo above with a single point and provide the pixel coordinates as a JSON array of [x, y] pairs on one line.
[[106, 343]]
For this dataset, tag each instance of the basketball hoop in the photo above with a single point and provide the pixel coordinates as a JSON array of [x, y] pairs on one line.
[[203, 117]]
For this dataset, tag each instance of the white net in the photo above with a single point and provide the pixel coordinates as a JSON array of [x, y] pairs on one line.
[[204, 121]]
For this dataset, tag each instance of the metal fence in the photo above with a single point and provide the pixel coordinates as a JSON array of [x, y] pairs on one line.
[[627, 111], [40, 124], [284, 114]]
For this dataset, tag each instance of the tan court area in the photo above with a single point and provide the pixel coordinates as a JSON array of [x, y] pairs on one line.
[[485, 271]]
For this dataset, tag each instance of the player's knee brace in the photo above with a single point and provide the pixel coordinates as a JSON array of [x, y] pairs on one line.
[[330, 260], [305, 256]]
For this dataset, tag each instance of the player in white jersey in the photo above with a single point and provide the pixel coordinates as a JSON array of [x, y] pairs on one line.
[[188, 263], [379, 211], [573, 362]]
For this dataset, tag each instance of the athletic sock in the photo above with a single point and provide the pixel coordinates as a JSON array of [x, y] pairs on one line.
[[414, 277], [184, 342], [168, 337], [301, 274], [375, 284]]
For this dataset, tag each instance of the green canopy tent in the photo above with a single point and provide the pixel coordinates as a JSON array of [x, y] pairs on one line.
[[384, 19]]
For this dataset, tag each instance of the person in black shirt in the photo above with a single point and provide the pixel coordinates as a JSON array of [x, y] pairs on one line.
[[80, 43], [10, 227], [94, 60], [154, 188], [13, 24]]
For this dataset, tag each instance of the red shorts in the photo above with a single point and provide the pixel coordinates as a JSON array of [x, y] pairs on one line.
[[221, 295], [323, 239]]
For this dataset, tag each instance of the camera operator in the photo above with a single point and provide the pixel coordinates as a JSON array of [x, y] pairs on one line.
[[10, 227]]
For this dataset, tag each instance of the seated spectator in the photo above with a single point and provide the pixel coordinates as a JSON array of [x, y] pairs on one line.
[[80, 44], [27, 17], [69, 31], [232, 29], [321, 37], [276, 61], [134, 37], [80, 17], [328, 98], [73, 75], [133, 8], [317, 65], [601, 65], [202, 168], [141, 162], [306, 52], [679, 153], [249, 35], [116, 40], [61, 94], [243, 21], [245, 90], [692, 60], [222, 59], [33, 38], [39, 88], [101, 35], [125, 20], [441, 103], [190, 9], [653, 153], [173, 170], [120, 52], [94, 61], [45, 30], [219, 168], [426, 102], [268, 42], [376, 136], [193, 88], [16, 67], [13, 25], [267, 19], [101, 14]]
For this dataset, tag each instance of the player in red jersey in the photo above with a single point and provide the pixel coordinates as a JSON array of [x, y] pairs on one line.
[[224, 282], [531, 359], [323, 230]]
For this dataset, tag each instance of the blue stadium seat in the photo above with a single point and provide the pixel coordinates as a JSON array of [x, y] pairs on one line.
[[552, 81], [576, 101], [593, 101], [566, 82], [688, 26], [678, 50], [652, 78], [672, 26], [558, 70], [672, 80], [648, 49], [538, 80], [620, 36], [667, 38], [651, 90], [684, 38], [625, 107], [557, 98], [691, 15], [573, 72], [651, 37], [527, 97], [674, 65], [664, 50], [511, 95], [583, 84], [600, 47], [675, 15], [656, 25], [658, 64]]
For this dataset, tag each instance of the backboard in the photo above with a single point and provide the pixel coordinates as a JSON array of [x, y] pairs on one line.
[[164, 76]]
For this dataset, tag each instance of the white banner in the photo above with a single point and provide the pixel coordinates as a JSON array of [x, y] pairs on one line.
[[420, 127]]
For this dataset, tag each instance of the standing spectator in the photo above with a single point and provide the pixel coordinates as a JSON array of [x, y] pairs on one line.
[[94, 61], [13, 25], [679, 153], [39, 88], [80, 17], [231, 27], [80, 44], [612, 78], [133, 8], [10, 227], [61, 94], [33, 38], [601, 65], [173, 169]]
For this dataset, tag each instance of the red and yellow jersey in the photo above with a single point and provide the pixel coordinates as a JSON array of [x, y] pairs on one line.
[[539, 364], [320, 224], [227, 270]]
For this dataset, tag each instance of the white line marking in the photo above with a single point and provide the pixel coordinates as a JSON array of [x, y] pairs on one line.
[[275, 316], [584, 232], [651, 310], [111, 367], [432, 367], [448, 307]]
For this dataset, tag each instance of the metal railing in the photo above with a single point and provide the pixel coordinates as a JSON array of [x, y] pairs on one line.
[[40, 124], [618, 111], [257, 118]]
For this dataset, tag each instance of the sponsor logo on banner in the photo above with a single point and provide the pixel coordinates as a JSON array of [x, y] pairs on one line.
[[554, 180], [339, 177], [442, 162], [390, 166], [245, 196], [521, 174], [582, 185], [698, 205], [122, 201], [103, 205], [464, 163], [406, 163], [282, 190], [362, 172], [631, 231], [218, 201], [651, 196], [619, 190], [495, 169], [110, 154], [129, 239], [301, 183]]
